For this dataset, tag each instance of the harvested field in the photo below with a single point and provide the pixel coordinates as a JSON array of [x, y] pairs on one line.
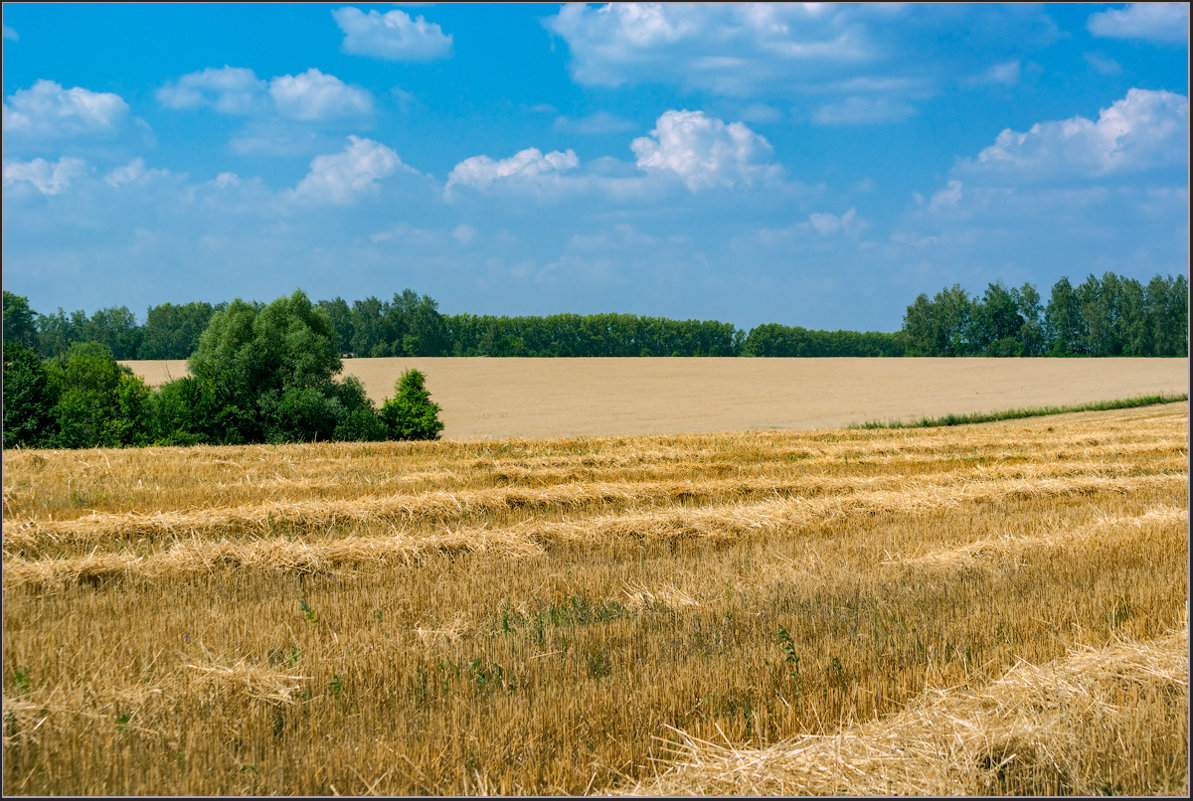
[[499, 398], [985, 609]]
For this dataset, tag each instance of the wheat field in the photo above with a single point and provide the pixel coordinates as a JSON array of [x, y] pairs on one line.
[[486, 398], [985, 609]]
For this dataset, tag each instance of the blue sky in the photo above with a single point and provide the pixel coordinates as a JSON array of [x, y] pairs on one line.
[[807, 164]]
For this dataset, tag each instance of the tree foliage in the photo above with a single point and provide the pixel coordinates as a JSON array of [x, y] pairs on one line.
[[411, 414]]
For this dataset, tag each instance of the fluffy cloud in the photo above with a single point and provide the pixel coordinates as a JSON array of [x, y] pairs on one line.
[[1157, 22], [393, 36], [343, 177], [1144, 130], [727, 47], [525, 167], [901, 52], [316, 96], [50, 178], [48, 111], [229, 90], [309, 96], [704, 152]]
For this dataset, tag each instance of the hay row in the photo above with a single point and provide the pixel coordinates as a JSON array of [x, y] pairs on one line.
[[727, 521], [446, 506], [1044, 725], [1010, 544]]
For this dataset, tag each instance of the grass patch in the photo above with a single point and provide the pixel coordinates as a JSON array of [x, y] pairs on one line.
[[1034, 411]]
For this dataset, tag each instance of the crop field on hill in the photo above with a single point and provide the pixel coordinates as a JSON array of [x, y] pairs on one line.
[[501, 398], [993, 608]]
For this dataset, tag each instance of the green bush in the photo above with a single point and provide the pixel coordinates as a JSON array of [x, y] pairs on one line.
[[411, 415], [28, 399]]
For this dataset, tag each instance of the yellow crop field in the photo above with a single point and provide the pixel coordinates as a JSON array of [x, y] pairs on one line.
[[500, 398], [983, 609]]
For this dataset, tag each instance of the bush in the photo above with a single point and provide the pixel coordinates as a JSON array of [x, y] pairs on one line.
[[101, 404], [411, 415], [360, 422], [301, 415], [28, 399]]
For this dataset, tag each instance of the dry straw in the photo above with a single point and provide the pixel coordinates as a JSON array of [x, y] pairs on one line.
[[1035, 730]]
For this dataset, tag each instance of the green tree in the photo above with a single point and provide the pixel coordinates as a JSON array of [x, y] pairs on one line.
[[28, 398], [100, 403], [411, 415], [19, 325], [172, 332], [259, 363], [1064, 326]]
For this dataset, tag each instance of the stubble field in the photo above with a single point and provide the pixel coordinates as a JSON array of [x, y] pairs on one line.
[[995, 608], [498, 398]]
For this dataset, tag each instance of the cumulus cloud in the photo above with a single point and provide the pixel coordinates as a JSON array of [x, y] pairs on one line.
[[343, 177], [1157, 22], [526, 166], [46, 110], [828, 224], [727, 47], [309, 96], [50, 178], [1145, 129], [313, 95], [392, 36], [900, 52], [705, 152], [229, 90]]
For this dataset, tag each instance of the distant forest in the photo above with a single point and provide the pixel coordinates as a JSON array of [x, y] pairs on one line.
[[1107, 316]]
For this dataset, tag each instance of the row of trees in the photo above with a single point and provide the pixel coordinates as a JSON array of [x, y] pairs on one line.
[[258, 374], [411, 325], [1111, 316]]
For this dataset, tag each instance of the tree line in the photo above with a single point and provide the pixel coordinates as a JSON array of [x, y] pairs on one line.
[[1107, 316], [259, 373], [1110, 316]]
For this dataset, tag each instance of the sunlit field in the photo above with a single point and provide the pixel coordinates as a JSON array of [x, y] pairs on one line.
[[486, 398], [994, 608]]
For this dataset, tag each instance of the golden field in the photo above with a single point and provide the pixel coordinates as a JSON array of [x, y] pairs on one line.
[[486, 398], [995, 608]]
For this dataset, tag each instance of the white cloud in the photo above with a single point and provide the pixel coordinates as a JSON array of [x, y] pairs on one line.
[[705, 152], [393, 36], [858, 110], [1005, 73], [602, 122], [131, 173], [11, 35], [50, 178], [313, 95], [730, 48], [464, 233], [47, 110], [1157, 22], [343, 177], [229, 90], [526, 166], [1102, 63], [828, 224], [309, 96], [1145, 129]]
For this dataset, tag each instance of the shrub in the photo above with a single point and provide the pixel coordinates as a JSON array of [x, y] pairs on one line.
[[411, 415], [28, 398]]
